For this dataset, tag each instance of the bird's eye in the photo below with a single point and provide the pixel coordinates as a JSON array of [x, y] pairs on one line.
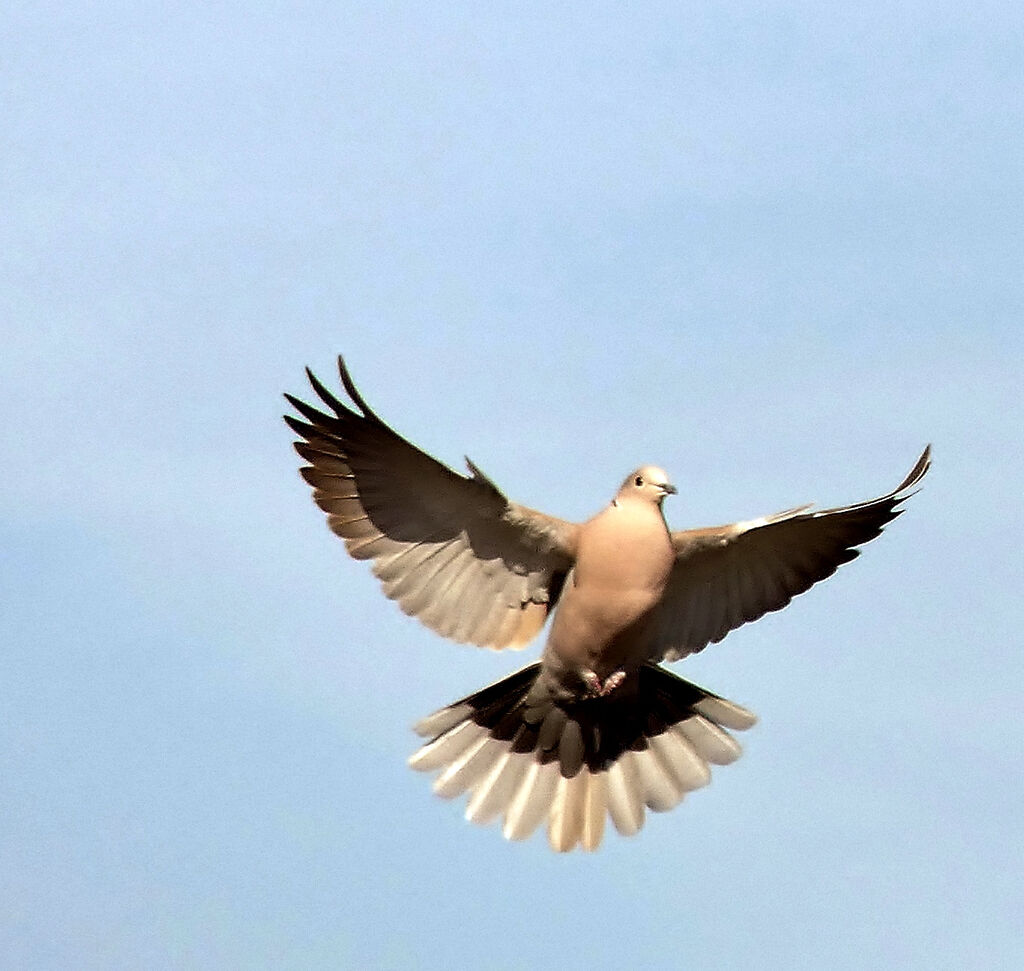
[[638, 481]]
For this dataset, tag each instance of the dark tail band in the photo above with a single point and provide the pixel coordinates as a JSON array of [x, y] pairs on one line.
[[524, 755]]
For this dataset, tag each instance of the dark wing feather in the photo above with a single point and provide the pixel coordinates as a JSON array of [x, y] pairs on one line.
[[450, 549], [726, 576]]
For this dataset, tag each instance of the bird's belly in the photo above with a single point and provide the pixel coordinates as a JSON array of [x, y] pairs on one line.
[[602, 629], [616, 609]]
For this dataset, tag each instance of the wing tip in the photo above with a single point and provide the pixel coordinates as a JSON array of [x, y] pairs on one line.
[[483, 478], [353, 392], [916, 474]]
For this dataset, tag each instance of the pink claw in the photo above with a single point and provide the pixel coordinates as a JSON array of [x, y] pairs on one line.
[[593, 683], [612, 682]]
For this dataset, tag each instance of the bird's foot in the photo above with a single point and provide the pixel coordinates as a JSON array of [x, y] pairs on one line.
[[593, 683], [612, 682], [598, 689]]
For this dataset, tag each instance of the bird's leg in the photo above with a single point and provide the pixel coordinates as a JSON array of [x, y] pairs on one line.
[[598, 689]]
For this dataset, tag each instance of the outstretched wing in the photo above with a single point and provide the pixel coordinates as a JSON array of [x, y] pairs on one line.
[[725, 576], [450, 549]]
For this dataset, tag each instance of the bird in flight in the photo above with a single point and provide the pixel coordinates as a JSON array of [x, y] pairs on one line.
[[597, 728]]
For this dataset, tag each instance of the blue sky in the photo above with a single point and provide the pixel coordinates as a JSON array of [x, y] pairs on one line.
[[774, 248]]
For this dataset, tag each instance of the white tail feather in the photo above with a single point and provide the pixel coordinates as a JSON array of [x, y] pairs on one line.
[[726, 713], [686, 766], [532, 802], [594, 809], [661, 791], [465, 771], [710, 742], [449, 746], [625, 796], [442, 721], [566, 822], [493, 793]]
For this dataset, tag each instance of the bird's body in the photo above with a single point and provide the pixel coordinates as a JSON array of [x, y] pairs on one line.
[[623, 561], [598, 728]]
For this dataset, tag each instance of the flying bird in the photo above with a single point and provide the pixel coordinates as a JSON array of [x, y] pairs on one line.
[[597, 728]]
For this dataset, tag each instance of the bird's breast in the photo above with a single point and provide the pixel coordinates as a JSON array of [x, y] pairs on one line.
[[629, 557], [618, 578]]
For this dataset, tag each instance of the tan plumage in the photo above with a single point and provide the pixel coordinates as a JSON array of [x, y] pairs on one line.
[[597, 728], [451, 550]]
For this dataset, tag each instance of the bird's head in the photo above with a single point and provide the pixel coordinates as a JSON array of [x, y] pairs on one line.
[[648, 483]]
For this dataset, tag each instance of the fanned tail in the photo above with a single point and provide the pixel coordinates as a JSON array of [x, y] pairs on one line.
[[524, 755]]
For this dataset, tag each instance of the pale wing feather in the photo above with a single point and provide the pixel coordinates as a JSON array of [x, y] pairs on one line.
[[450, 549]]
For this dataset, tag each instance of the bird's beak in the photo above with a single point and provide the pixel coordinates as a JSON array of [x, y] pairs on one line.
[[669, 489]]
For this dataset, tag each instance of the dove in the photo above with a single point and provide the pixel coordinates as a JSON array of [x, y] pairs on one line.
[[597, 729]]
